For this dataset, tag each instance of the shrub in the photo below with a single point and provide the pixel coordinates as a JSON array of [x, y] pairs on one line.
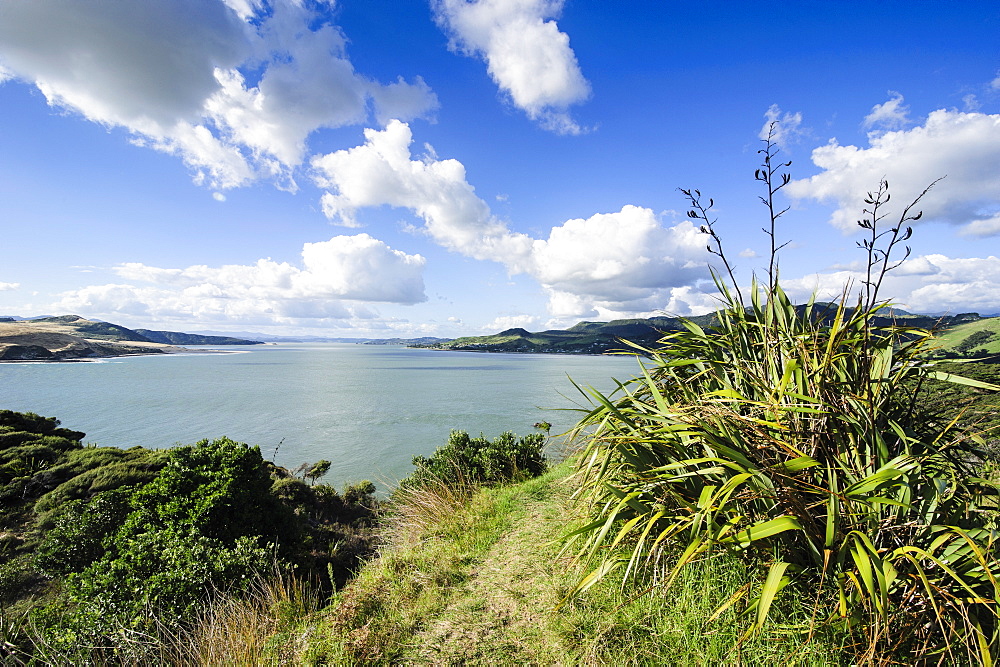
[[32, 423], [482, 461], [800, 444], [207, 521], [360, 492], [77, 537], [973, 340]]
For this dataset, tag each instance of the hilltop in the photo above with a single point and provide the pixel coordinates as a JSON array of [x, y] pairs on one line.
[[603, 337], [68, 337]]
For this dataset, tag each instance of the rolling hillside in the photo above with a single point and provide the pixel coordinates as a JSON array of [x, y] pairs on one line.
[[604, 337]]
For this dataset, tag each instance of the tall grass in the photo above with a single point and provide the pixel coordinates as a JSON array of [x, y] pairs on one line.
[[261, 627], [791, 435], [416, 510], [265, 624]]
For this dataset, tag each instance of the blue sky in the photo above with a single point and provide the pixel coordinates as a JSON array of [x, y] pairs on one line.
[[379, 168]]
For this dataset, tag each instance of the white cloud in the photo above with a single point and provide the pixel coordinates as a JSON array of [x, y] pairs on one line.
[[382, 172], [218, 196], [748, 253], [924, 284], [174, 74], [982, 227], [995, 83], [504, 322], [526, 54], [890, 115], [965, 147], [344, 269], [625, 261], [7, 287], [783, 128]]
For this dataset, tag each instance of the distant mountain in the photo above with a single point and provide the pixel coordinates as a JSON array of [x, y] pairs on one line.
[[604, 337], [973, 339], [411, 342], [177, 338], [271, 338], [71, 337]]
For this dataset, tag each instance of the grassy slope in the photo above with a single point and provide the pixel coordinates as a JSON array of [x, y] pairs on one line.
[[482, 582], [953, 337]]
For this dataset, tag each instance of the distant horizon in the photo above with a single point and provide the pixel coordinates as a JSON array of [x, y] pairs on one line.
[[250, 334], [453, 168]]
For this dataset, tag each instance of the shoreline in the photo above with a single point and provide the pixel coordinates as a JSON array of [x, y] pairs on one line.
[[56, 358]]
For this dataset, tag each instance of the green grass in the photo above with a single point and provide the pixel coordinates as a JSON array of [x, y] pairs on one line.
[[485, 583], [971, 337]]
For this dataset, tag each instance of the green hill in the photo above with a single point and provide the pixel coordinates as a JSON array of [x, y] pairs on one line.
[[177, 338], [603, 337], [978, 338]]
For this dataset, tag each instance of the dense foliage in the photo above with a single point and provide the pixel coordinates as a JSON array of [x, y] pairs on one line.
[[482, 461], [796, 439], [107, 547]]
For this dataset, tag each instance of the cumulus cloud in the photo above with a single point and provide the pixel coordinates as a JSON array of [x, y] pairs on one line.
[[504, 322], [784, 128], [626, 261], [965, 147], [623, 261], [177, 76], [526, 54], [382, 171], [925, 284], [892, 114], [7, 287], [332, 273]]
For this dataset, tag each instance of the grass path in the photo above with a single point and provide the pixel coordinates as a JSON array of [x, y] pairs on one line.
[[503, 611], [480, 584]]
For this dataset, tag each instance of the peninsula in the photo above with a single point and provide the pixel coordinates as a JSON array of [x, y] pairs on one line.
[[71, 337]]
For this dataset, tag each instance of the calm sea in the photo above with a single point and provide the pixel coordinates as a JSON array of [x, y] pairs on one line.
[[366, 408]]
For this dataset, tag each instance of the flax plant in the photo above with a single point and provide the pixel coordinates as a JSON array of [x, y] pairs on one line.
[[791, 435]]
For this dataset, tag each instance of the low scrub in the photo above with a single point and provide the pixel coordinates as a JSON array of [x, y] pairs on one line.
[[468, 460], [106, 554]]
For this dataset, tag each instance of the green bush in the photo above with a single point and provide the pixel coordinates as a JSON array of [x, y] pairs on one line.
[[32, 423], [973, 340], [77, 537], [794, 438], [360, 492], [482, 461], [134, 470], [207, 521]]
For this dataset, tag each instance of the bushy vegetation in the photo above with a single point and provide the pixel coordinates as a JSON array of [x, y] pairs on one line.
[[479, 460], [795, 439], [106, 553]]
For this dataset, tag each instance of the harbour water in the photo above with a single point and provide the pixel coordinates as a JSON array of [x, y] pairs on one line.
[[366, 408]]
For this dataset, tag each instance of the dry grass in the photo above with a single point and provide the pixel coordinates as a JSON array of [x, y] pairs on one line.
[[415, 511], [260, 627]]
